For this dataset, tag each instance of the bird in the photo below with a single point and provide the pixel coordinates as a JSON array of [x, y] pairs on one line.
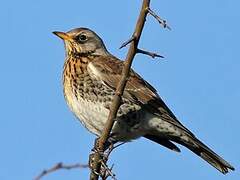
[[90, 77]]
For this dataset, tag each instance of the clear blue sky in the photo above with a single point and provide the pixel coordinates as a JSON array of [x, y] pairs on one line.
[[199, 79]]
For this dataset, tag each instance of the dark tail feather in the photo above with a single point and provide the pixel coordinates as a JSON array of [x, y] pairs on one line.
[[206, 153], [164, 142]]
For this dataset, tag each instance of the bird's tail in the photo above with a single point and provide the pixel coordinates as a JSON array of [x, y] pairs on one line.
[[206, 153]]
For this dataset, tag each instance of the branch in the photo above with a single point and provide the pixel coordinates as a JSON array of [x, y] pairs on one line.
[[160, 20], [99, 146], [59, 166], [152, 54], [127, 42]]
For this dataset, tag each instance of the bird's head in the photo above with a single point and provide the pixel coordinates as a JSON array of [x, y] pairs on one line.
[[82, 41]]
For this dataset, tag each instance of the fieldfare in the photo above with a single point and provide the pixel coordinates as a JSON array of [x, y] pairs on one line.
[[90, 77]]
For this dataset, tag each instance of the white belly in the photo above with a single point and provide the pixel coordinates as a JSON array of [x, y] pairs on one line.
[[93, 115]]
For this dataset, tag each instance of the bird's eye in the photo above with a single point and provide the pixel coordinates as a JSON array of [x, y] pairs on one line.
[[82, 38]]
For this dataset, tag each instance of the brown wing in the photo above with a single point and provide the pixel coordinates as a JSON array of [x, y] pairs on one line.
[[108, 70]]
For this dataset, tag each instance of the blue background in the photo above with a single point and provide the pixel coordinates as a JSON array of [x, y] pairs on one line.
[[199, 80]]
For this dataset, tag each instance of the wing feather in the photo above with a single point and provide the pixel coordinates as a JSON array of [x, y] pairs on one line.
[[108, 71]]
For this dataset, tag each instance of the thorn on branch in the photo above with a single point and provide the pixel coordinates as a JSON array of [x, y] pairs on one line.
[[107, 171], [127, 42], [152, 54], [160, 20], [59, 166]]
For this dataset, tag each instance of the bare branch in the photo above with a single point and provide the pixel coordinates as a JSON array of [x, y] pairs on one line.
[[160, 20], [60, 166], [127, 42], [152, 54], [96, 166]]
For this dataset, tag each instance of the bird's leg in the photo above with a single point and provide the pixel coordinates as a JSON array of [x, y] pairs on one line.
[[108, 147], [111, 148], [105, 170]]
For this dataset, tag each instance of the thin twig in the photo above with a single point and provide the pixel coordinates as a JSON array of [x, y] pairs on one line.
[[60, 166], [160, 20], [152, 54], [119, 90], [108, 172], [127, 42]]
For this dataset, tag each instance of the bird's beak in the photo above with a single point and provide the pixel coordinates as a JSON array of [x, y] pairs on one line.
[[62, 35]]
